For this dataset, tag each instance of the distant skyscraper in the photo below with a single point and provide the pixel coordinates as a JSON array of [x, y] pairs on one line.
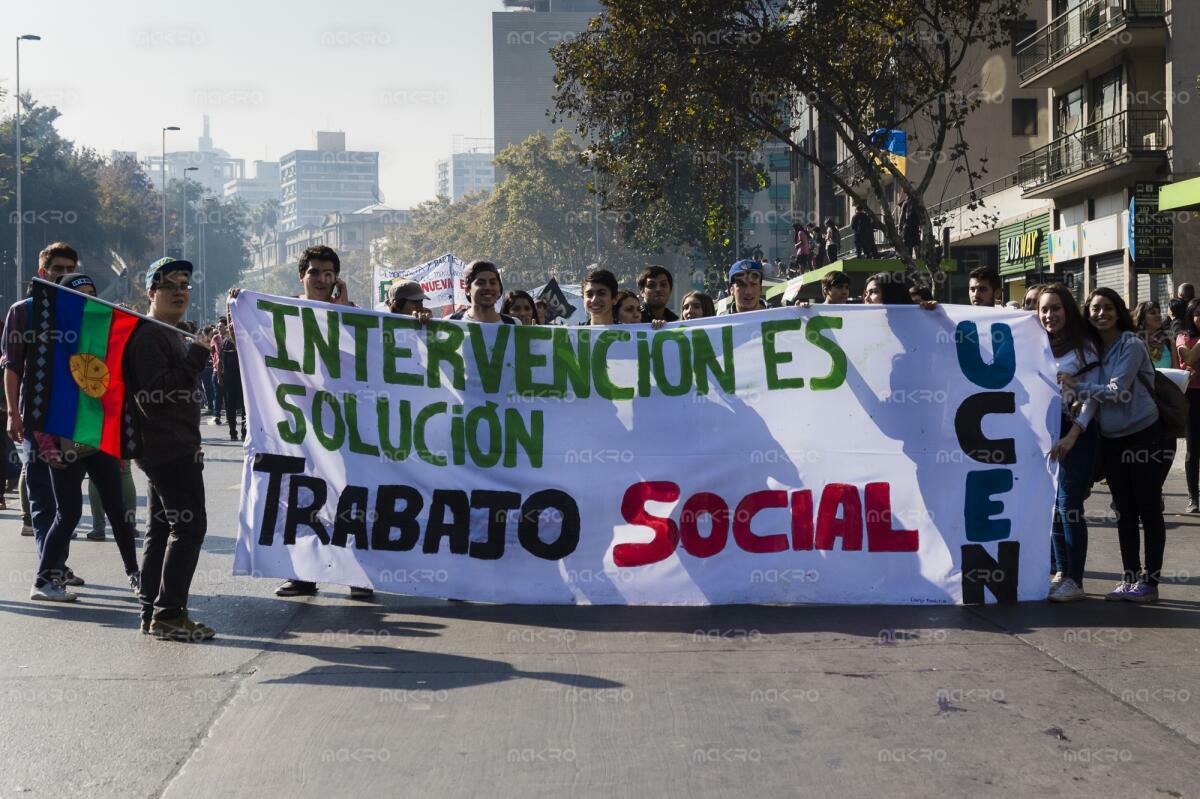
[[326, 180], [522, 69], [468, 169], [258, 189], [214, 166]]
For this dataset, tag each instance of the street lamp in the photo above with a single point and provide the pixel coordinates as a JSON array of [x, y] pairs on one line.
[[183, 211], [28, 37], [164, 187]]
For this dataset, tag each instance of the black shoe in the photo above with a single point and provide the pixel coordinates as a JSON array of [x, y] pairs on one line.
[[296, 588], [232, 436], [72, 579], [95, 535], [357, 592]]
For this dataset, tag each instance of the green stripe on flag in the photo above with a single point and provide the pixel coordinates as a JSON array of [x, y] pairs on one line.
[[93, 340]]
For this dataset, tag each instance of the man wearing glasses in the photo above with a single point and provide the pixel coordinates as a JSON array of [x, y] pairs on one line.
[[745, 287], [163, 372]]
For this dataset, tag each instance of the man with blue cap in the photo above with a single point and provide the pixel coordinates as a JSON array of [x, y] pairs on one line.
[[745, 287], [163, 372]]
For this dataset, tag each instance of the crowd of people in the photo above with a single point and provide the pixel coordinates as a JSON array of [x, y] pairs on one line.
[[1105, 359]]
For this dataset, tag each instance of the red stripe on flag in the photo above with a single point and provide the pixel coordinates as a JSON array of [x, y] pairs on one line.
[[113, 400]]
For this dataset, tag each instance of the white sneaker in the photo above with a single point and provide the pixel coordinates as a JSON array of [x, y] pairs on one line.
[[52, 592], [1056, 580], [1068, 591]]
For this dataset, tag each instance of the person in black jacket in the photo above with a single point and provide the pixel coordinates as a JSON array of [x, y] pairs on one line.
[[163, 373], [864, 233]]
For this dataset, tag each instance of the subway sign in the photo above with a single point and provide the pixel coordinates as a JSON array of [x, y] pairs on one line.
[[1024, 245]]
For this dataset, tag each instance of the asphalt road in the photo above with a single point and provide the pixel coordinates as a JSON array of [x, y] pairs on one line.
[[404, 697]]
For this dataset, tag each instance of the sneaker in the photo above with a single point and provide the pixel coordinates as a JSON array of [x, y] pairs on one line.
[[26, 528], [1120, 593], [1193, 506], [1068, 591], [96, 535], [357, 592], [233, 436], [180, 628], [296, 588], [1142, 593], [52, 592], [144, 626], [73, 580], [1056, 580], [135, 583], [216, 420]]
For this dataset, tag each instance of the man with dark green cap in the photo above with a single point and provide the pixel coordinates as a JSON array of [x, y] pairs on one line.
[[164, 373]]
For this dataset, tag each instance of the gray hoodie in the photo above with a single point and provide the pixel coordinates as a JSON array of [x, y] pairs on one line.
[[1126, 405]]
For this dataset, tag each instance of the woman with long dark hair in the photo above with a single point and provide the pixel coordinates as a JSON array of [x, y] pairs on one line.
[[1187, 348], [1131, 442], [1147, 319], [1076, 354], [520, 306]]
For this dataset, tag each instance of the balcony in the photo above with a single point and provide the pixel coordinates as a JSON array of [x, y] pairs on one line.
[[1082, 38], [1125, 146]]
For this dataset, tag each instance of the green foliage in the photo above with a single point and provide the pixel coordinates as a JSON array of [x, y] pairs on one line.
[[541, 221], [661, 85], [109, 211]]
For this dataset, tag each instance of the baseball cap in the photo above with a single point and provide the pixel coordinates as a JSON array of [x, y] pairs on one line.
[[406, 290], [743, 266], [164, 265]]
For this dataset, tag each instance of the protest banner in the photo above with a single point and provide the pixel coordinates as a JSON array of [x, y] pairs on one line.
[[839, 454], [441, 279]]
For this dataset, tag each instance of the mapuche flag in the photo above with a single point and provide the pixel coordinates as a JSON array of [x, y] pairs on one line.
[[74, 383]]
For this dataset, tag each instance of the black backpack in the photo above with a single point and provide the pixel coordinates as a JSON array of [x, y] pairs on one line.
[[1172, 404]]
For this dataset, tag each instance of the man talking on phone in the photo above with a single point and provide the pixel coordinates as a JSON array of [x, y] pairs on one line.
[[320, 277]]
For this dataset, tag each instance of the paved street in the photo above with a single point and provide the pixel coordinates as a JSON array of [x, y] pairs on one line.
[[404, 697]]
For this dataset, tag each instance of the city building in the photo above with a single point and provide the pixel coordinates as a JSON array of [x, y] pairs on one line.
[[1118, 76], [346, 232], [327, 180], [468, 170], [214, 166], [259, 189], [522, 69], [979, 215], [766, 229]]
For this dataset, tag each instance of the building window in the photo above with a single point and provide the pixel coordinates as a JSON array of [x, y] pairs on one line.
[[1022, 30], [1024, 116]]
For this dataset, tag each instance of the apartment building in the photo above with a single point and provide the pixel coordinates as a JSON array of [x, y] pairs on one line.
[[1118, 77]]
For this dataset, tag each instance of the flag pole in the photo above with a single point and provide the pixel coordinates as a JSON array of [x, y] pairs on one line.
[[116, 307]]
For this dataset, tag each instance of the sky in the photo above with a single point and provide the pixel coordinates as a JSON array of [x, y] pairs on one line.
[[398, 76]]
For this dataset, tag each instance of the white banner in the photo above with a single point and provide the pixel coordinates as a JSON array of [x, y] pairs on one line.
[[441, 279], [836, 454]]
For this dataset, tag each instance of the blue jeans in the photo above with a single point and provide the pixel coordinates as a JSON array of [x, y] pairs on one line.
[[1069, 537], [40, 491], [105, 473]]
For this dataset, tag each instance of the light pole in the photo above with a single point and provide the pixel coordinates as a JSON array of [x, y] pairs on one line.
[[183, 248], [163, 165], [28, 37]]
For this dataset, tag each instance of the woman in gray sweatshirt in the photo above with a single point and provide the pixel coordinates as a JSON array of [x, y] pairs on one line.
[[1131, 444]]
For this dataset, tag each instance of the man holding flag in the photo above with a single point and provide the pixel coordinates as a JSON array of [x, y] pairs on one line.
[[163, 374]]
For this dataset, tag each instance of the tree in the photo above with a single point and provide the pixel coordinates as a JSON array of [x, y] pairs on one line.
[[719, 77], [542, 221]]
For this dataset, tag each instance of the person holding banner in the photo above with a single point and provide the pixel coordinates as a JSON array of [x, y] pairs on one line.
[[484, 288], [835, 288], [1131, 444], [697, 305], [519, 305], [745, 286], [599, 289], [1187, 349], [655, 285], [407, 298], [1075, 353], [163, 374], [627, 310]]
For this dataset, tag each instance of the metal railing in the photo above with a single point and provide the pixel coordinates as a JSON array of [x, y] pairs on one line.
[[1102, 142], [1090, 20], [977, 194]]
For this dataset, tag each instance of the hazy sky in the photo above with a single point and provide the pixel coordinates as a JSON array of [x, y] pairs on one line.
[[399, 76]]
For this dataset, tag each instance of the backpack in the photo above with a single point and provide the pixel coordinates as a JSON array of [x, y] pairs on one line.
[[1171, 402]]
